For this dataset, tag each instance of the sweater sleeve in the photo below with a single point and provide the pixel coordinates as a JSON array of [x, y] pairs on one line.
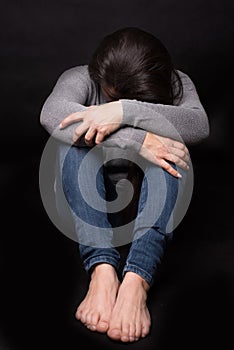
[[187, 121], [74, 88], [126, 137], [69, 95]]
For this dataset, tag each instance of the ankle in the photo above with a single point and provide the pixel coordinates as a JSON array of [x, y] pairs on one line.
[[103, 268], [132, 277]]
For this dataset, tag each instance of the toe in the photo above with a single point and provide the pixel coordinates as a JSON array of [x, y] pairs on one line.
[[93, 321], [138, 332], [132, 334], [78, 314], [125, 333], [125, 337], [92, 327], [145, 331], [114, 334], [102, 326]]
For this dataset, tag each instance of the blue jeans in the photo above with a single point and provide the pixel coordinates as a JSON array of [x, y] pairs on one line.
[[100, 231]]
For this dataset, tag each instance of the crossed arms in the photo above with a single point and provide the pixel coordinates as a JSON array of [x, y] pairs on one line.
[[161, 131]]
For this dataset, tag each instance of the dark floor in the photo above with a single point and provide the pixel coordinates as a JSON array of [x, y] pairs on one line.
[[42, 282]]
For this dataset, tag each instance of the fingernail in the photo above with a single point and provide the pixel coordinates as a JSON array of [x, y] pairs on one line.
[[179, 175], [60, 126]]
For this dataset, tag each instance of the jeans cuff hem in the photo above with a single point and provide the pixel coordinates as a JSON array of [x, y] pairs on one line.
[[140, 272], [94, 261]]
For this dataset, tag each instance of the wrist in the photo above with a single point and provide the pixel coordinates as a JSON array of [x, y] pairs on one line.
[[118, 110], [149, 139]]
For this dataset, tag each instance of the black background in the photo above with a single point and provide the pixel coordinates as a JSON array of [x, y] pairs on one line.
[[42, 281]]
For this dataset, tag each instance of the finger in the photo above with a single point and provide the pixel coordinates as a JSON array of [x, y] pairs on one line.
[[89, 136], [176, 145], [184, 156], [177, 161], [79, 131], [101, 133], [72, 118], [166, 166]]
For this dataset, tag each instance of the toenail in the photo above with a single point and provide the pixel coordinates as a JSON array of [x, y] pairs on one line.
[[103, 324], [131, 339], [125, 338], [92, 328]]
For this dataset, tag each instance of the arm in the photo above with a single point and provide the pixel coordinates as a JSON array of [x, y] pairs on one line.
[[188, 117], [69, 95], [156, 149], [73, 87], [186, 122]]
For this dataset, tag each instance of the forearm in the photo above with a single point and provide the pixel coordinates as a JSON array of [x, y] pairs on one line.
[[53, 112], [69, 95], [180, 123], [126, 138], [186, 118]]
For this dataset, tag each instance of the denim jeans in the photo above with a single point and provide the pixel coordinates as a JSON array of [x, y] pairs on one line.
[[89, 192]]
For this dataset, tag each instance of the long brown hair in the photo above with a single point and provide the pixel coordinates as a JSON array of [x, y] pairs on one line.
[[131, 63]]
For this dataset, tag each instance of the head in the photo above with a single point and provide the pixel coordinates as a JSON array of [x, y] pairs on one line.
[[131, 63]]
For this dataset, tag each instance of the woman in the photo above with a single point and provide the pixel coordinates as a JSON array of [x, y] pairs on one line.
[[127, 105]]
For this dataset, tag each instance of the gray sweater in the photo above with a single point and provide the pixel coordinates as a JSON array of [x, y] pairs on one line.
[[74, 91]]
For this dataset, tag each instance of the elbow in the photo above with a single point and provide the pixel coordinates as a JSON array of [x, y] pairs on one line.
[[200, 134], [44, 122], [45, 117], [42, 117], [198, 137], [205, 129], [206, 125], [206, 133], [41, 120]]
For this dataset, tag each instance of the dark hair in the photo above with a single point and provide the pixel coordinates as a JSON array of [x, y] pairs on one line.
[[131, 63]]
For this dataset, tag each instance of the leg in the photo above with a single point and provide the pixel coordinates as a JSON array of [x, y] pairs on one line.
[[94, 234], [153, 228], [130, 317]]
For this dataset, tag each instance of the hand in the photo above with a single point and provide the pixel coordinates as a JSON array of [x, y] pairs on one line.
[[159, 150], [98, 121]]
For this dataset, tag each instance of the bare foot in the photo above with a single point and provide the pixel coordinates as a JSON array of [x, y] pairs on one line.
[[130, 318], [95, 310]]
